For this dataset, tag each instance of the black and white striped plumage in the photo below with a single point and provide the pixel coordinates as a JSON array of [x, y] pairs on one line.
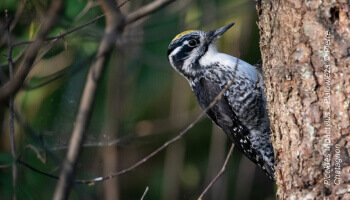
[[241, 113]]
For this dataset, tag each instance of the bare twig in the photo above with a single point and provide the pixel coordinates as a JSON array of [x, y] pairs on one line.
[[14, 21], [144, 194], [12, 127], [37, 152], [36, 170], [14, 59], [61, 35], [96, 144], [219, 174], [114, 27], [46, 49], [11, 87], [5, 166], [90, 4], [35, 136], [146, 10]]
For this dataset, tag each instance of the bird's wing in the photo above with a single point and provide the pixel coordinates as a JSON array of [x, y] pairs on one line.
[[223, 115], [246, 99]]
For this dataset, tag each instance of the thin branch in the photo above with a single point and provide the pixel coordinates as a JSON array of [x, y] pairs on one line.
[[144, 194], [12, 115], [36, 137], [219, 174], [14, 59], [11, 87], [61, 35], [46, 49], [37, 152], [96, 144], [128, 139], [19, 11], [5, 166], [90, 4], [147, 10], [36, 170], [113, 30]]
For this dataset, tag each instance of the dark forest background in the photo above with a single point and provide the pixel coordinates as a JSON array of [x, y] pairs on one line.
[[141, 102]]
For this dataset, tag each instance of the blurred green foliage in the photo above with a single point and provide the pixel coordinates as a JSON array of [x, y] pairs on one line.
[[144, 80]]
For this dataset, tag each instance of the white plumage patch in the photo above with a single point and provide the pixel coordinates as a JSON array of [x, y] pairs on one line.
[[172, 54], [212, 57]]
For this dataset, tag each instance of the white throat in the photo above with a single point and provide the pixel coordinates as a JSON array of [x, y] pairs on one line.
[[227, 63]]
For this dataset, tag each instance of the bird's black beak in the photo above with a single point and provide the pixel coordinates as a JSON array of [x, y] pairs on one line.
[[216, 34]]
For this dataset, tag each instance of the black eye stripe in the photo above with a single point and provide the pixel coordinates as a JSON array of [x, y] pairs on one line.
[[181, 42], [186, 49]]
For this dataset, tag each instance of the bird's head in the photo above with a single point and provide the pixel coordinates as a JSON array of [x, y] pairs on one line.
[[188, 47]]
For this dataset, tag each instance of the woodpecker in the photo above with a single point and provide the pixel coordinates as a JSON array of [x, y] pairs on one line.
[[241, 112]]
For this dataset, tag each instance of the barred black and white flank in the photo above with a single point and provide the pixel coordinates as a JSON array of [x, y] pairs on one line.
[[241, 113]]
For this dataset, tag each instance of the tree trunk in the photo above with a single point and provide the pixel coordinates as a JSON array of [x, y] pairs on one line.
[[305, 47]]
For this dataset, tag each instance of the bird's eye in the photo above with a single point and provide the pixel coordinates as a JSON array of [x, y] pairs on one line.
[[192, 43]]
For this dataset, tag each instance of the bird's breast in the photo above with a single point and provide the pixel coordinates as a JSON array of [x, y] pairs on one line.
[[224, 66]]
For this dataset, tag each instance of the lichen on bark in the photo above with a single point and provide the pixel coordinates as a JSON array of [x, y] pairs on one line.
[[296, 39]]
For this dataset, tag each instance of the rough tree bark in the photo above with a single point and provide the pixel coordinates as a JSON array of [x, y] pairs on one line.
[[305, 47]]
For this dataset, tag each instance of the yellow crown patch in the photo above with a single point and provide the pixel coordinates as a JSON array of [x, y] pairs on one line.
[[182, 34]]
